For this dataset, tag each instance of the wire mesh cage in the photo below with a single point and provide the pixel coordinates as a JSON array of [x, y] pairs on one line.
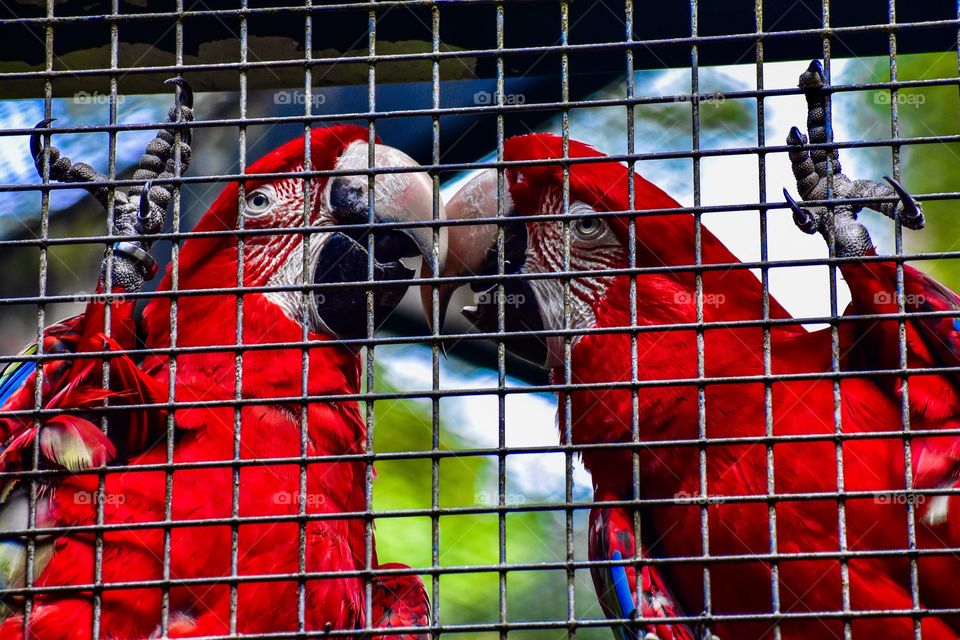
[[413, 235]]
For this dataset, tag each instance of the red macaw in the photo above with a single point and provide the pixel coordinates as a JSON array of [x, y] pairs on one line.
[[209, 433], [471, 249], [805, 561]]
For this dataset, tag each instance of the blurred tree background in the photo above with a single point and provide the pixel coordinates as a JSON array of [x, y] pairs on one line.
[[468, 540], [928, 168]]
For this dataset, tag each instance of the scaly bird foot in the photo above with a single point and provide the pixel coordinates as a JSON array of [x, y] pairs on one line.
[[134, 214], [819, 177]]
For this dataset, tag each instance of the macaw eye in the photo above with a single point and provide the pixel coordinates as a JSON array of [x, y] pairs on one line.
[[258, 203], [587, 228]]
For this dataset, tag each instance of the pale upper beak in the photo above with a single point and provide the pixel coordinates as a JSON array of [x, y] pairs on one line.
[[528, 306], [398, 197], [468, 245]]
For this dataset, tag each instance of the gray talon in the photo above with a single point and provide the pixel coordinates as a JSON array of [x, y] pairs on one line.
[[36, 145], [911, 212], [813, 77], [144, 210], [182, 107], [185, 95], [803, 218], [796, 137]]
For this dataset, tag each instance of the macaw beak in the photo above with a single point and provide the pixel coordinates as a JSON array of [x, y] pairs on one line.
[[400, 197], [529, 305], [468, 246]]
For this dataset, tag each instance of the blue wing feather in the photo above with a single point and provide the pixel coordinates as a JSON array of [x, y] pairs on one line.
[[15, 375], [622, 588]]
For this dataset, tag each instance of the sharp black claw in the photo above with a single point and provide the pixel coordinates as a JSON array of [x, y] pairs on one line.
[[144, 212], [805, 220], [185, 94], [911, 214], [813, 77], [184, 98], [36, 145], [795, 137]]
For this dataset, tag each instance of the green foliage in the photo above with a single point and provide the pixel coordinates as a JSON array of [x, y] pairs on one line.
[[469, 540], [926, 168]]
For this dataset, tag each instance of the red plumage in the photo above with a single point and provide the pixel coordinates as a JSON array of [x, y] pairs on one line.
[[269, 428], [876, 527]]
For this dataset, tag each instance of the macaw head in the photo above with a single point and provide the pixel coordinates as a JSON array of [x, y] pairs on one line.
[[283, 217], [535, 241]]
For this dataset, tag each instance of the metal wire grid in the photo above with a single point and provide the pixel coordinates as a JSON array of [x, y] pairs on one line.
[[564, 49]]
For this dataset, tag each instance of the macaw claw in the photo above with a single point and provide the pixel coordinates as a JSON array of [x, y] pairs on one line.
[[813, 77], [803, 218], [820, 177], [796, 137], [141, 209], [911, 213]]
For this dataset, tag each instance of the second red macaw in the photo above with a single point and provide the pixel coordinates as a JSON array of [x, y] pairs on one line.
[[747, 531]]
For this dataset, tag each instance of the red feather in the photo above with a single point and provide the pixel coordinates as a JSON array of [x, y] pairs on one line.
[[400, 601], [74, 443]]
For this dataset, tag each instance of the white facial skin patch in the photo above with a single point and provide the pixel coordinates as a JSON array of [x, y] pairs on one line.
[[398, 197], [593, 246]]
